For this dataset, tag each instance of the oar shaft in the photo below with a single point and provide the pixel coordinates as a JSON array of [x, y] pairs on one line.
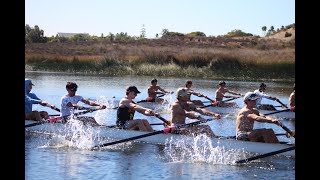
[[265, 155], [277, 112], [128, 139], [220, 102]]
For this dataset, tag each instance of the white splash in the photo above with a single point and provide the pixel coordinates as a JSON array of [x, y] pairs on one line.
[[200, 150]]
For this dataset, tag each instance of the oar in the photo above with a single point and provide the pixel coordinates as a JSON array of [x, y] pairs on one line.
[[54, 108], [165, 130], [265, 155], [283, 105], [217, 102], [53, 119], [144, 100], [283, 126], [279, 111]]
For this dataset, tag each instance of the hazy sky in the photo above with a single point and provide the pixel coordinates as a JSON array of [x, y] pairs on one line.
[[213, 17]]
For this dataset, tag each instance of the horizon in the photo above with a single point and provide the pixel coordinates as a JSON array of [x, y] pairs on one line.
[[210, 17]]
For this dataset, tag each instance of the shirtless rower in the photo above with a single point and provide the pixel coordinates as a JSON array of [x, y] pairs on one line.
[[192, 92], [183, 108], [154, 90], [246, 119], [220, 94]]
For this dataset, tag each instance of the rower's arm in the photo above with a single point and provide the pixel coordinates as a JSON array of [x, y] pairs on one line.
[[262, 118], [92, 103], [142, 110], [208, 113], [234, 93], [163, 90]]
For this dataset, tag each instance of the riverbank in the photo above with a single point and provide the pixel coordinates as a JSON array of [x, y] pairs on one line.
[[229, 59]]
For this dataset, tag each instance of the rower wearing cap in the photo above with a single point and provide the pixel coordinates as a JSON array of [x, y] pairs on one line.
[[126, 111], [245, 122], [154, 90], [220, 94], [30, 99], [183, 108]]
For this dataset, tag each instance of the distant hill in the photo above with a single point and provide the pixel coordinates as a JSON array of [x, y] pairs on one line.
[[287, 34]]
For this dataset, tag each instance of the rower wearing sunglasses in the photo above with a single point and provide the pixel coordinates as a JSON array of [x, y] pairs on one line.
[[69, 103]]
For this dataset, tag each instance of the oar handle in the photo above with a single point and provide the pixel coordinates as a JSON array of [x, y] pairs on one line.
[[287, 129], [162, 119], [55, 108], [281, 103]]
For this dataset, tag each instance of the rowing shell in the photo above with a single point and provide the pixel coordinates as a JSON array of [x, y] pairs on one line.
[[114, 133]]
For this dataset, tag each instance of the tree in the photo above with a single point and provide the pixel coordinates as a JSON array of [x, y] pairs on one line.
[[165, 32], [264, 29], [34, 35]]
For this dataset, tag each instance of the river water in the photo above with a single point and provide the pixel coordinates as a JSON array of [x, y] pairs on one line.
[[49, 157]]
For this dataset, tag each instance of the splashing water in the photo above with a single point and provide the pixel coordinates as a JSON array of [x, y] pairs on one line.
[[75, 135], [200, 150]]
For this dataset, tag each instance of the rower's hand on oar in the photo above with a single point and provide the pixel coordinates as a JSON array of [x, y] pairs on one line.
[[102, 106], [217, 116], [215, 103], [293, 108], [292, 134], [277, 122], [150, 112], [43, 103]]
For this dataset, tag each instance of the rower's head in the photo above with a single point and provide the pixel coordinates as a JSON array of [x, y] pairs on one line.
[[28, 85], [154, 81], [182, 93], [222, 83], [262, 87], [250, 97], [132, 89], [71, 86], [188, 84]]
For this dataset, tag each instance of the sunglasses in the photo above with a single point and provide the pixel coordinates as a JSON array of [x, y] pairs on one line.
[[73, 89]]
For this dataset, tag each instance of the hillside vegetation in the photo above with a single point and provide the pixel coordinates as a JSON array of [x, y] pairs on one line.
[[223, 57]]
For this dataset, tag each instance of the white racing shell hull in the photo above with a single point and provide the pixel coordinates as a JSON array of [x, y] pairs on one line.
[[113, 133]]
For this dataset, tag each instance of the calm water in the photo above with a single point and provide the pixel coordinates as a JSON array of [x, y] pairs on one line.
[[51, 157]]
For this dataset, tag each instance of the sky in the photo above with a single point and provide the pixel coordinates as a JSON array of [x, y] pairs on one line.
[[212, 17]]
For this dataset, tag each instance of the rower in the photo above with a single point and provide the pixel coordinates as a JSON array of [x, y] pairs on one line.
[[220, 94], [155, 89], [245, 122], [182, 108], [292, 98], [192, 92], [30, 99], [69, 105], [261, 94], [126, 111]]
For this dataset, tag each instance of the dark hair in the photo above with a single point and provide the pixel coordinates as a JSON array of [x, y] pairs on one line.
[[221, 82], [188, 82], [154, 80], [263, 85], [71, 85]]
